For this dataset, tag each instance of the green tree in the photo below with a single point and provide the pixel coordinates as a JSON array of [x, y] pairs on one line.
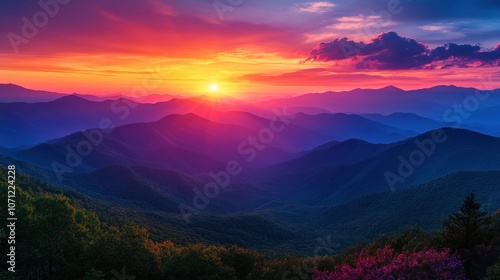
[[467, 232], [241, 260], [126, 247], [60, 233], [467, 228], [196, 261]]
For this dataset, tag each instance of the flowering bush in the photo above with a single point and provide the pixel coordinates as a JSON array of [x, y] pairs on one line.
[[387, 264]]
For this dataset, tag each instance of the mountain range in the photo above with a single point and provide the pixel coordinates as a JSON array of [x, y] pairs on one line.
[[351, 164]]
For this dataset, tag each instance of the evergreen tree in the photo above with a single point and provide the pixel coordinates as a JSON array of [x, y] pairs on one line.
[[464, 231], [467, 228]]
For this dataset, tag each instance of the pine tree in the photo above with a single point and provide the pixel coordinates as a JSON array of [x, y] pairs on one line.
[[467, 228], [464, 231]]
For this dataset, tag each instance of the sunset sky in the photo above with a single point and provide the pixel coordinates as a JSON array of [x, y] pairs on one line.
[[247, 47]]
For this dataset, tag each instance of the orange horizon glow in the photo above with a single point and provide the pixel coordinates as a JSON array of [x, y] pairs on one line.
[[182, 49], [294, 83]]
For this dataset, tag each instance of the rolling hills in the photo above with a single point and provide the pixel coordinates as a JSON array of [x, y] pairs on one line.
[[336, 175], [306, 172]]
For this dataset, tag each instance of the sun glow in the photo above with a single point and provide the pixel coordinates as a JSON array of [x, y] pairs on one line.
[[213, 87]]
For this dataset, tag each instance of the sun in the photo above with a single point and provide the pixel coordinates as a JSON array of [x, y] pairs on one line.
[[215, 92], [213, 87]]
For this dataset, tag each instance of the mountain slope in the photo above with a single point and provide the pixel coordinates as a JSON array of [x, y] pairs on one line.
[[406, 121], [367, 217], [335, 153], [429, 102], [462, 150], [13, 93], [293, 228], [425, 205], [341, 127], [25, 124], [202, 145]]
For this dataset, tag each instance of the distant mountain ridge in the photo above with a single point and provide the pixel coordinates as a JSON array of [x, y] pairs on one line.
[[26, 124], [427, 102], [337, 177], [34, 123], [203, 145], [11, 93], [324, 171], [331, 173]]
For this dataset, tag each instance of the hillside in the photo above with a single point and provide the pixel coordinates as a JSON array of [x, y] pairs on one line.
[[335, 181], [281, 228]]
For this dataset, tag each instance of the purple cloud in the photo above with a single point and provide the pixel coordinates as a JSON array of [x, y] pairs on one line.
[[389, 51]]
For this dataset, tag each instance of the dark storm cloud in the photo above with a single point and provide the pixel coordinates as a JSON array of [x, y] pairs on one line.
[[391, 51]]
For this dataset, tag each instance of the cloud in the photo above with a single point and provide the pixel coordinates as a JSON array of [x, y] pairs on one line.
[[145, 28], [360, 22], [317, 7], [310, 77], [435, 28], [389, 51], [452, 50]]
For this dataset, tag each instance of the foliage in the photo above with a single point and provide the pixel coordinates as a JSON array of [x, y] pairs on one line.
[[387, 264], [63, 240], [467, 228], [470, 233]]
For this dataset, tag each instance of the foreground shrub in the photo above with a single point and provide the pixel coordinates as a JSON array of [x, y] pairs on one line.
[[386, 264]]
